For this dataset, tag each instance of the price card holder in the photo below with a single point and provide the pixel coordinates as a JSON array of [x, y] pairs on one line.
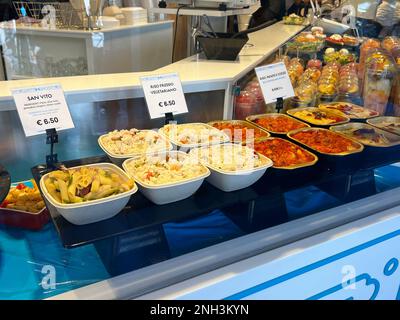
[[279, 105], [164, 95], [51, 138], [169, 117], [275, 84]]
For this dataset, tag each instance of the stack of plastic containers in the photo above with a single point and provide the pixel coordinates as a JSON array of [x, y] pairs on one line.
[[392, 45], [379, 75], [365, 48], [349, 83], [328, 83]]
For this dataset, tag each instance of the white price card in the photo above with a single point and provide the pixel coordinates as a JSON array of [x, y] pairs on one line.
[[164, 94], [41, 108], [275, 82]]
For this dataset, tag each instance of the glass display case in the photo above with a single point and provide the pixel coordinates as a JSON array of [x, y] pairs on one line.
[[319, 179]]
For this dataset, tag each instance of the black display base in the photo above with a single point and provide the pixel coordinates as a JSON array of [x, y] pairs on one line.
[[51, 139]]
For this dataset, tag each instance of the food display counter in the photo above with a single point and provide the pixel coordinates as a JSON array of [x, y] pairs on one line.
[[315, 200], [72, 52]]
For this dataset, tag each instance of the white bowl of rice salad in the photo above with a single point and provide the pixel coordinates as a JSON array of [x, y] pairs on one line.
[[191, 135], [120, 145], [166, 177], [232, 166]]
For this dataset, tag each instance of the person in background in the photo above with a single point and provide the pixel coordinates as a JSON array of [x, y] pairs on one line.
[[388, 15], [306, 8], [366, 18], [295, 8]]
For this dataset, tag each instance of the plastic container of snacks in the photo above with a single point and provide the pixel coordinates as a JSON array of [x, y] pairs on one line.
[[378, 79], [24, 207]]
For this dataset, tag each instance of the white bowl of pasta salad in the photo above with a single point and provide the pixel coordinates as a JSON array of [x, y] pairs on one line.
[[88, 193], [120, 145], [232, 166], [167, 176], [191, 135]]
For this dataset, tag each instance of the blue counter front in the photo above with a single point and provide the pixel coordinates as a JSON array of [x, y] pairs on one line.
[[34, 265]]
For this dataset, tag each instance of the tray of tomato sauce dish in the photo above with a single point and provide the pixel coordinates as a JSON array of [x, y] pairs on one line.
[[318, 117], [284, 154], [240, 130], [326, 142], [276, 123], [336, 152], [24, 207]]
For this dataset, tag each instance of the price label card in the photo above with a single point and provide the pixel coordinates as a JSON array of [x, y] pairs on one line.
[[275, 82], [164, 94], [41, 108]]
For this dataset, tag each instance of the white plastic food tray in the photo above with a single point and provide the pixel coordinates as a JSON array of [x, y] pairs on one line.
[[118, 159], [94, 210], [171, 192], [235, 180]]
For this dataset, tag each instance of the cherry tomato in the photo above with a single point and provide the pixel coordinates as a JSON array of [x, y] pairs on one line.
[[20, 186], [4, 204]]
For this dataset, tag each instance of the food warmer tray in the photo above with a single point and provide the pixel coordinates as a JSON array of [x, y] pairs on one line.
[[24, 219]]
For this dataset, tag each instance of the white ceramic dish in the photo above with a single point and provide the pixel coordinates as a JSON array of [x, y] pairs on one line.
[[171, 192], [95, 210], [235, 180], [118, 159], [186, 147]]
